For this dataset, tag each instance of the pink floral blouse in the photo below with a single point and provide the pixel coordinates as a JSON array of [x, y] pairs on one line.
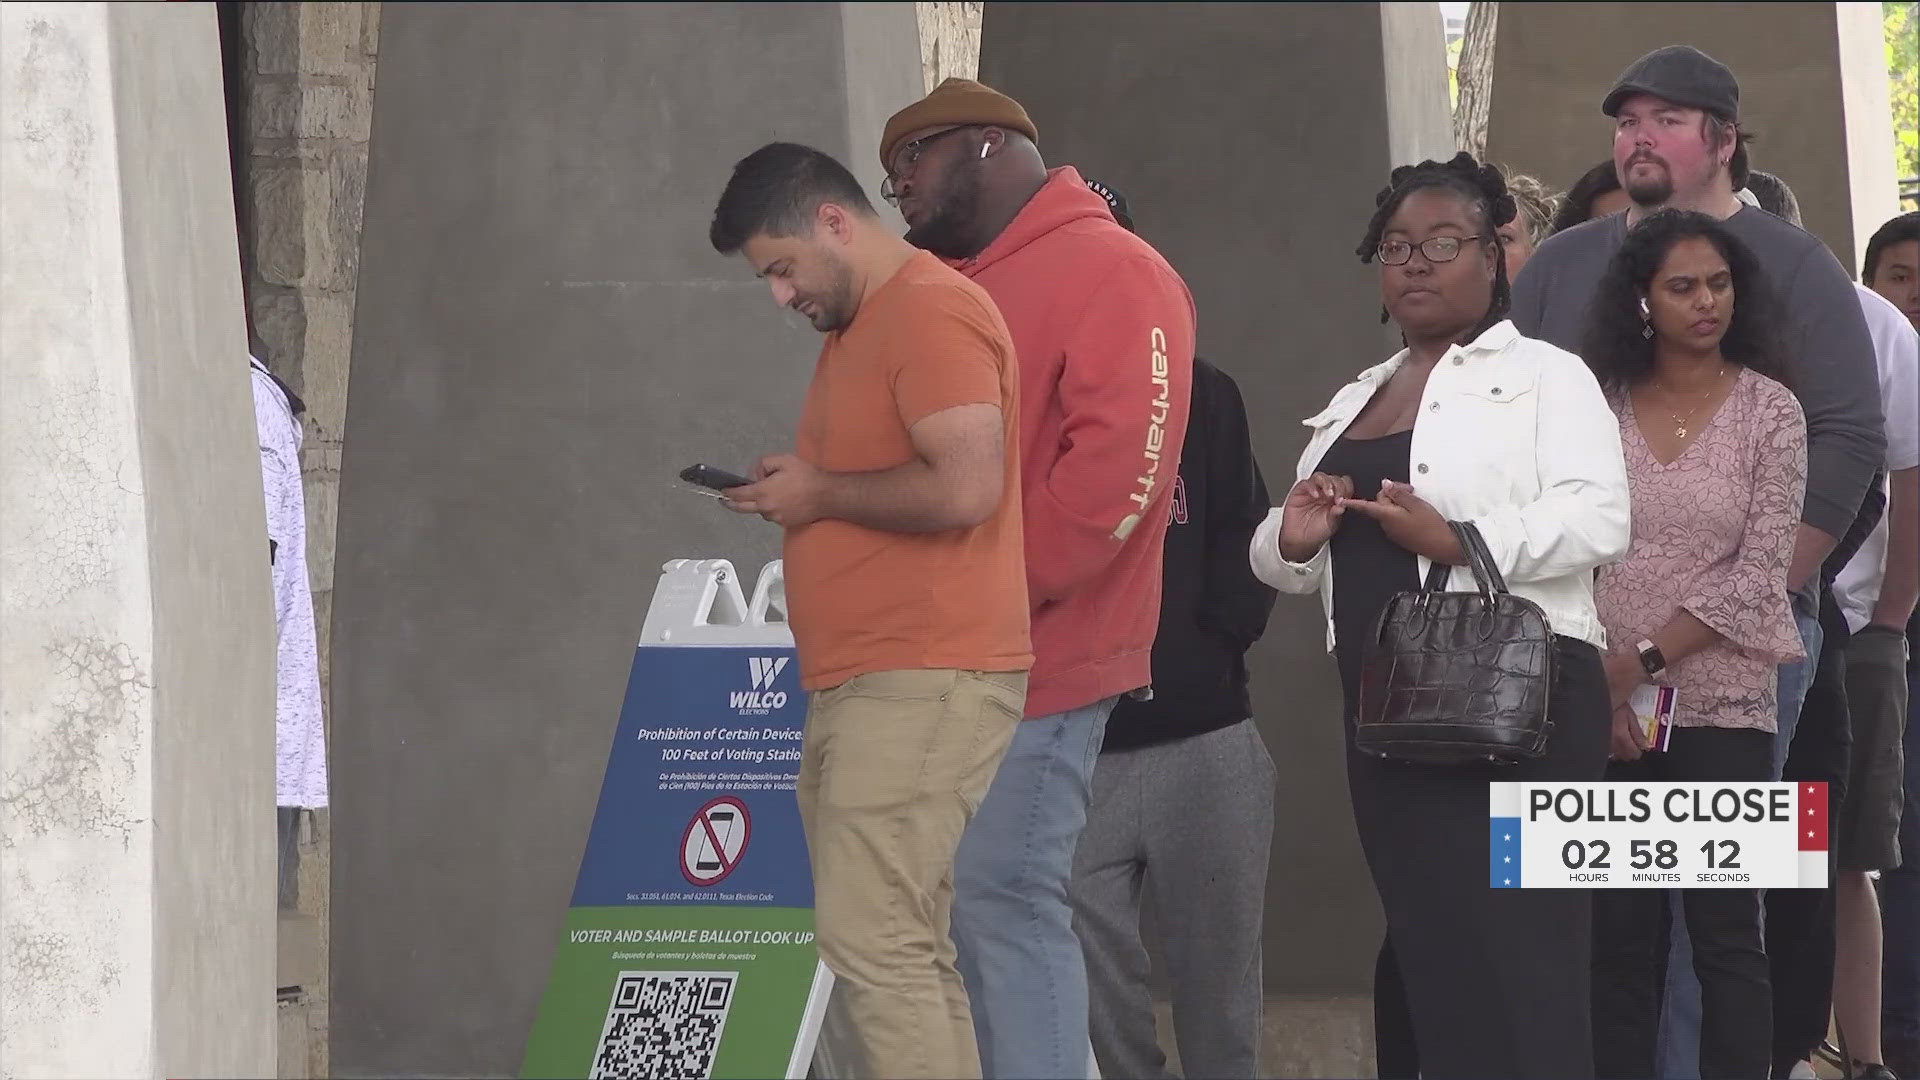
[[1713, 531]]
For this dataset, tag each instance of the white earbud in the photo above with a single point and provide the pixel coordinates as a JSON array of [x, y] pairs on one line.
[[983, 151]]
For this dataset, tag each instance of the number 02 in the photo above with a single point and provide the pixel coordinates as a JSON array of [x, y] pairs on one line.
[[1575, 855]]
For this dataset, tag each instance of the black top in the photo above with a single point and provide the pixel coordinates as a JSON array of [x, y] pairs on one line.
[[1212, 608], [1368, 568], [1872, 508]]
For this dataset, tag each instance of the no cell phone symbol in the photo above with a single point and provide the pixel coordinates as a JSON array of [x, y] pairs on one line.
[[715, 839]]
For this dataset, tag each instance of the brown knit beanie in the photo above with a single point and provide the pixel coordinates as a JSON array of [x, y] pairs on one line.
[[956, 102]]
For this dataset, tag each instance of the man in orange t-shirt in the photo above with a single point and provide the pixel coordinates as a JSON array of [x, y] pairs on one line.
[[906, 586]]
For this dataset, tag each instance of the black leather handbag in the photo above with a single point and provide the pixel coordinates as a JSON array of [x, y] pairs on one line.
[[1454, 678]]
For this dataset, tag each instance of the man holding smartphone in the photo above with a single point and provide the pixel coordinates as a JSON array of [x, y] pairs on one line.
[[906, 586]]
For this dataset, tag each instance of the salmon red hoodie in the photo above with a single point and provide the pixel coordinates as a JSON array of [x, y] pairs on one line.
[[1104, 331]]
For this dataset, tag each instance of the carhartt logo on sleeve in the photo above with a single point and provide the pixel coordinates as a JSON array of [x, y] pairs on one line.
[[1156, 430]]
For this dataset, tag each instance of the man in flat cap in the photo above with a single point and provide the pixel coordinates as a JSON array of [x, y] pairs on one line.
[[1677, 142], [1103, 330]]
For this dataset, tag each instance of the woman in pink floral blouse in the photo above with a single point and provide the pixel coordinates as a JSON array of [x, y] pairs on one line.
[[1716, 463]]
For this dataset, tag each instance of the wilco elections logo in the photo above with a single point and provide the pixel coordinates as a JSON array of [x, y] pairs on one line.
[[763, 698]]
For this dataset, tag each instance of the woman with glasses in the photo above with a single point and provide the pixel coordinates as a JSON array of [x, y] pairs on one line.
[[1470, 422]]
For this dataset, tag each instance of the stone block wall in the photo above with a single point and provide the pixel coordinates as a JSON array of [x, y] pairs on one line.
[[308, 71], [309, 112], [949, 40]]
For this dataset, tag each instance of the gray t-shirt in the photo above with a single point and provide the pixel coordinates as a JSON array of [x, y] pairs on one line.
[[1828, 350]]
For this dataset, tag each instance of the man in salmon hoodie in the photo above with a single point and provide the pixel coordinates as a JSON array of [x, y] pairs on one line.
[[1103, 330]]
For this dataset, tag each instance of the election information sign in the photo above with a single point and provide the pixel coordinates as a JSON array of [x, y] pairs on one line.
[[688, 946], [1657, 836]]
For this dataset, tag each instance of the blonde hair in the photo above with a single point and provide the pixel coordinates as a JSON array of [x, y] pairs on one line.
[[1538, 203]]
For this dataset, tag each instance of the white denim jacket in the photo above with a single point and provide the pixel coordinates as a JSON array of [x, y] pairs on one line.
[[1515, 436]]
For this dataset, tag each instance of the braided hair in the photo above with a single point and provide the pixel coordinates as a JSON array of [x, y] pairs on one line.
[[1484, 188]]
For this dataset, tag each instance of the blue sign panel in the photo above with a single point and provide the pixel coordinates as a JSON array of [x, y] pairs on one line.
[[698, 802]]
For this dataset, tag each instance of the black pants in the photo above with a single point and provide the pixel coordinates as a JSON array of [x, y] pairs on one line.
[[1630, 937], [1800, 922], [1395, 1057], [1492, 982], [288, 820]]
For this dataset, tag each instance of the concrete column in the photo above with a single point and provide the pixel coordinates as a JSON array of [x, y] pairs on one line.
[[543, 339], [1813, 88], [137, 641], [1249, 140]]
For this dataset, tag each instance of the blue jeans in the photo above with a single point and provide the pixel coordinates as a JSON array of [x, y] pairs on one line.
[[1900, 905], [1678, 1051], [1012, 920], [1795, 678]]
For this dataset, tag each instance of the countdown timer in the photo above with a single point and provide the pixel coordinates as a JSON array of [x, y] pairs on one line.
[[1657, 836]]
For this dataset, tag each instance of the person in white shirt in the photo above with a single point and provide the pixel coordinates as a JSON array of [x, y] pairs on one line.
[[1891, 267], [1875, 591], [1471, 422], [300, 742]]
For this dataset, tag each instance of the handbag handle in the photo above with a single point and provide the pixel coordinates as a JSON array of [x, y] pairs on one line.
[[1484, 568], [1479, 561]]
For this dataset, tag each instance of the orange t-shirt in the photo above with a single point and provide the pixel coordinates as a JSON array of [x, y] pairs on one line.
[[863, 600]]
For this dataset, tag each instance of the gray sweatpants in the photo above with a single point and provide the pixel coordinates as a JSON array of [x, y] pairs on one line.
[[1191, 822]]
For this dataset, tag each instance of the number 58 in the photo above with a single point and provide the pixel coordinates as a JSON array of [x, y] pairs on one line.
[[1645, 853]]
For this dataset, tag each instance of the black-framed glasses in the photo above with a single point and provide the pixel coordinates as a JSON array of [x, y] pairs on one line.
[[1436, 249], [908, 157]]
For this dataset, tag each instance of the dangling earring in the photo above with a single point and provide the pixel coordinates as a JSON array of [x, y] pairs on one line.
[[1646, 317]]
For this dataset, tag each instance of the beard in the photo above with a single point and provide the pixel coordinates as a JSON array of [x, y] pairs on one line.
[[833, 306], [948, 229], [1655, 190]]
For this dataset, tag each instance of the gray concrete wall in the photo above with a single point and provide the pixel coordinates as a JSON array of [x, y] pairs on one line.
[[1249, 140], [136, 900], [543, 338], [1813, 87]]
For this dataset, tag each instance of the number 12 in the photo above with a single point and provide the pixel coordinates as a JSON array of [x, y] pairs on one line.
[[1729, 858]]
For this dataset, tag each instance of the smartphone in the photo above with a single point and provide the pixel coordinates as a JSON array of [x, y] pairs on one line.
[[713, 479]]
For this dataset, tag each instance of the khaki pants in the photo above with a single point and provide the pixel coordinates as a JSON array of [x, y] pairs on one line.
[[893, 765]]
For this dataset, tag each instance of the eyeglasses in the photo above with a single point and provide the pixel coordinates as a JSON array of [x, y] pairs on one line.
[[907, 158], [1436, 249]]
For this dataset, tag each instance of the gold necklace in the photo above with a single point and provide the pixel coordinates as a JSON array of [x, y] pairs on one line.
[[1680, 423]]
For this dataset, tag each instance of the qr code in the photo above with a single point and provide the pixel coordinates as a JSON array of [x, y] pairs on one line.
[[663, 1025]]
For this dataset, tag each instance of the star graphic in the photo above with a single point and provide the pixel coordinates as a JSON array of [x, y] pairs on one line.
[[1509, 836], [1507, 859], [1508, 881]]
